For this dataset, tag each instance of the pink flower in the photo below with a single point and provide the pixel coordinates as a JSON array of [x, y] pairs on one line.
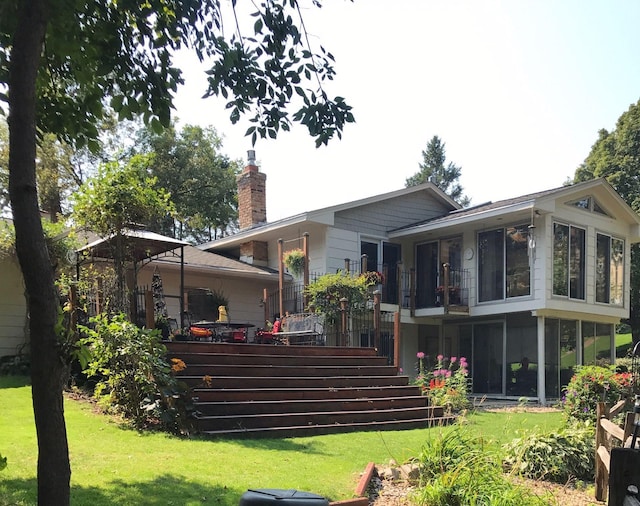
[[448, 374], [400, 370], [420, 355], [440, 357], [453, 360]]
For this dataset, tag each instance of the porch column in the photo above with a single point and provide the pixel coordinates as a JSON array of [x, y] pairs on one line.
[[542, 395]]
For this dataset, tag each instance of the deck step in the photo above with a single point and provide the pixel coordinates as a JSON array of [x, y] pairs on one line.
[[315, 430], [308, 405], [247, 390], [262, 421], [283, 394]]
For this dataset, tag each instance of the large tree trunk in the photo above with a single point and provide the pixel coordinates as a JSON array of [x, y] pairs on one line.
[[48, 370]]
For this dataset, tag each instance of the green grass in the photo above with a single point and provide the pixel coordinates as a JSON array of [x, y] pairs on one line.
[[112, 465]]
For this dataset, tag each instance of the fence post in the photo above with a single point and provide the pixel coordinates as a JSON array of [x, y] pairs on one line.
[[602, 475], [400, 279], [305, 277], [445, 292]]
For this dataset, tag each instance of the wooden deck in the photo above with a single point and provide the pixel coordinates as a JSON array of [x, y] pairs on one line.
[[282, 391]]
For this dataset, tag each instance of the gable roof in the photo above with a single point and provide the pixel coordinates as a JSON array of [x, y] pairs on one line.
[[324, 216], [543, 202]]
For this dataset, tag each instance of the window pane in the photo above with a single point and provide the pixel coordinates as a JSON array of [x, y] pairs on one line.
[[602, 268], [491, 265], [568, 350], [517, 262], [576, 266], [603, 344], [426, 274], [616, 275], [371, 250], [560, 259], [588, 343]]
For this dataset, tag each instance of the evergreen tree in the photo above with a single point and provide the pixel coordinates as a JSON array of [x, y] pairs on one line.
[[434, 169]]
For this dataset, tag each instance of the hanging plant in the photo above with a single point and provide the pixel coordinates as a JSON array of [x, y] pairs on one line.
[[294, 260]]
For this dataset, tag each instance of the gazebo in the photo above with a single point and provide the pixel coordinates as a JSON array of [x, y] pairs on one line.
[[142, 247]]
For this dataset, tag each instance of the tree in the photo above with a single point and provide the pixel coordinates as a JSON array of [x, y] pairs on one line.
[[615, 156], [202, 182], [115, 200], [434, 170], [57, 63]]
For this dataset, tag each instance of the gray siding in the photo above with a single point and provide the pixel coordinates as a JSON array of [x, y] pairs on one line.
[[376, 219]]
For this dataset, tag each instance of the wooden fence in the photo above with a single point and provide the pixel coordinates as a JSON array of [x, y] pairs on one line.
[[617, 467]]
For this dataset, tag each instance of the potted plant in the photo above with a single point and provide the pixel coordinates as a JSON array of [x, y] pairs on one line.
[[294, 260]]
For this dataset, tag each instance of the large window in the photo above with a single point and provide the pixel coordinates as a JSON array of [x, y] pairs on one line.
[[491, 265], [568, 261], [503, 263], [609, 269]]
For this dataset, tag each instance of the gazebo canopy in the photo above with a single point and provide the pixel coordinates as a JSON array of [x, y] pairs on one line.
[[140, 244]]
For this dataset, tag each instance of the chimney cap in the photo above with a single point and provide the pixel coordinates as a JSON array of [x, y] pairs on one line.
[[251, 157]]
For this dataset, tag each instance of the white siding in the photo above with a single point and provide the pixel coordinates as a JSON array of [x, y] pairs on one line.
[[13, 308], [341, 244]]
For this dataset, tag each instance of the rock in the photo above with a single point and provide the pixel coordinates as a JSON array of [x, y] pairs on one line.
[[410, 472], [389, 473]]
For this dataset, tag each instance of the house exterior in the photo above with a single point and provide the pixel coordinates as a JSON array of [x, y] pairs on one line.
[[14, 322], [525, 288]]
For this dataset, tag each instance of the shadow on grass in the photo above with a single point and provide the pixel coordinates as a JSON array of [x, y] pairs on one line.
[[283, 444], [12, 381], [164, 490]]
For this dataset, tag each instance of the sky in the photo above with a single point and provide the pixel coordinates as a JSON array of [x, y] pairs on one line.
[[516, 89]]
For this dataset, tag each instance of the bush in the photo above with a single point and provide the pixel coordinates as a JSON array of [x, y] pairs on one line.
[[326, 292], [592, 384], [455, 471], [445, 383], [560, 457], [133, 377]]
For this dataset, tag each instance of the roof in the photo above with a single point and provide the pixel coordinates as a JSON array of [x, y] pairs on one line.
[[199, 260], [539, 200], [325, 215]]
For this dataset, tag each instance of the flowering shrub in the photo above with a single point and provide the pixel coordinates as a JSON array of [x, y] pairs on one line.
[[446, 383], [373, 278], [592, 384]]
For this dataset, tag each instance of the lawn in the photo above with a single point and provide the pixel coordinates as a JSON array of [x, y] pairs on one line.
[[112, 465]]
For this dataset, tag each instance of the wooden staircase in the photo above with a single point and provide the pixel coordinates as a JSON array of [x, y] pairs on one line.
[[283, 391]]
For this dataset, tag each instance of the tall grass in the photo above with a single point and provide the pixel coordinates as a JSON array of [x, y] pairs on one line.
[[112, 465]]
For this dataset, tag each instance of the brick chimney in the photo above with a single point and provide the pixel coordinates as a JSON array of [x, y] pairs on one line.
[[252, 209]]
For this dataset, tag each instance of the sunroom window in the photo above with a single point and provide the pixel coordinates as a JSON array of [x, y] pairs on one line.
[[568, 261], [609, 269], [503, 263]]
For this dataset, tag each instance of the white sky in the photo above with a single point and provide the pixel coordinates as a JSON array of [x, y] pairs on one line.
[[517, 89]]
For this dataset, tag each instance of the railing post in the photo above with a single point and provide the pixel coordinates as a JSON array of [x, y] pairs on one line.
[[343, 330], [364, 263], [347, 265], [305, 277], [399, 287], [445, 293], [602, 476], [376, 319], [280, 278], [396, 339], [412, 291]]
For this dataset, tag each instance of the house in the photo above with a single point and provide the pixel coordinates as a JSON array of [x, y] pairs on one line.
[[525, 288], [13, 309]]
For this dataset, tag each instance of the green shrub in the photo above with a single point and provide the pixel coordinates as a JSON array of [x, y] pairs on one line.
[[592, 384], [455, 471], [326, 292], [133, 376], [561, 456]]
